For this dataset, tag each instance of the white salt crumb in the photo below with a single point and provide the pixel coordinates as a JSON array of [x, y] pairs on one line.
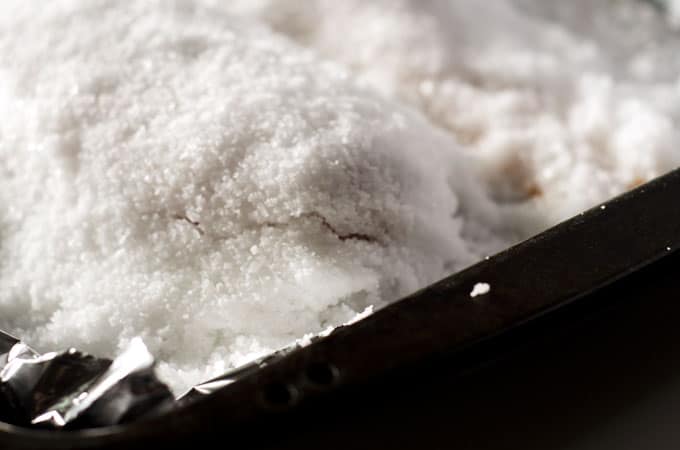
[[603, 207], [308, 338], [668, 249], [480, 289], [360, 316]]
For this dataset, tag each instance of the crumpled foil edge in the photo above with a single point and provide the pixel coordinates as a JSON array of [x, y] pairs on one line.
[[74, 390]]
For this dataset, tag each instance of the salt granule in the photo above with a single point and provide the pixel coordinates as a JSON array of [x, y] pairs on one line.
[[171, 173], [480, 289]]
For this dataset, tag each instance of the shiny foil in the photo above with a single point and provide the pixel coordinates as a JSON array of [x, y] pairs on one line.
[[74, 390]]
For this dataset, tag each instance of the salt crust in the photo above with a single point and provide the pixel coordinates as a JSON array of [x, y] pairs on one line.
[[201, 182], [564, 103]]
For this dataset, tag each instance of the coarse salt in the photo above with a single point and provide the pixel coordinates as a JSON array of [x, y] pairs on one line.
[[564, 104], [171, 173]]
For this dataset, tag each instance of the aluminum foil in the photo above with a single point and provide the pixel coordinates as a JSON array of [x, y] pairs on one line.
[[74, 390]]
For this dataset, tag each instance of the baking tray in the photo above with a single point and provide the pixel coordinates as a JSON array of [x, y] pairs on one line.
[[612, 254]]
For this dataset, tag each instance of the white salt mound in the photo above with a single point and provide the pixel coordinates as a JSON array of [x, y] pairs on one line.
[[171, 173], [564, 103]]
